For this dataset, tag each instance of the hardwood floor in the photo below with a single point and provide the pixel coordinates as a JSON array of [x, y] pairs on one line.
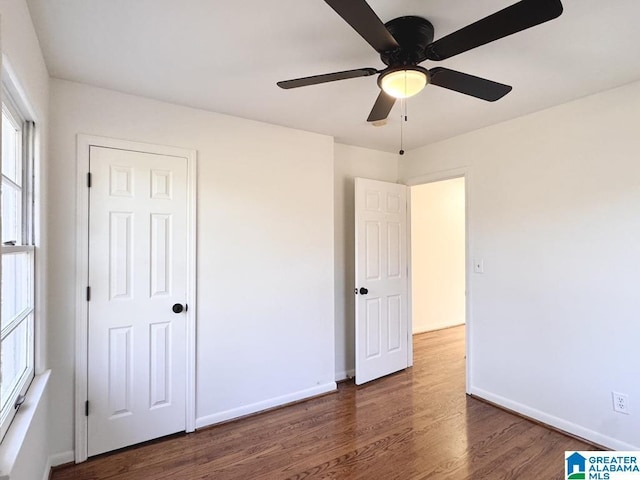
[[416, 424]]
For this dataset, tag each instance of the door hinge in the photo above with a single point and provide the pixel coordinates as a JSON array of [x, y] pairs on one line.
[[89, 179], [88, 294], [86, 408]]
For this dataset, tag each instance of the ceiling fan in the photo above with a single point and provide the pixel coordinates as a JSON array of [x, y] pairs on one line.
[[405, 42]]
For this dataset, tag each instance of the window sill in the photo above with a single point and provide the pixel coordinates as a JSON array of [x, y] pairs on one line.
[[17, 433]]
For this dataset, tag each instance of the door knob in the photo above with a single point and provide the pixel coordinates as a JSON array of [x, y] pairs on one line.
[[177, 308], [363, 291]]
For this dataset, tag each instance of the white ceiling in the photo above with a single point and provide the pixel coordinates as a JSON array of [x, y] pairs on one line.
[[227, 57]]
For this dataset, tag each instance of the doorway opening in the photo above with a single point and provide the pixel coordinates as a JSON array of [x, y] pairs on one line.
[[438, 256]]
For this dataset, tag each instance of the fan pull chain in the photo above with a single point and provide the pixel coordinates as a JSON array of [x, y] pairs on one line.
[[405, 103], [403, 118]]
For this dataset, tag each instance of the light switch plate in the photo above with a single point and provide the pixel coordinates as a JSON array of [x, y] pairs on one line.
[[478, 265]]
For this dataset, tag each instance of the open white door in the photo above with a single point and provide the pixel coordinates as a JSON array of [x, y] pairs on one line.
[[381, 279]]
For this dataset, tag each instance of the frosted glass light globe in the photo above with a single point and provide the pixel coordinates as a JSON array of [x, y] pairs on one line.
[[403, 83]]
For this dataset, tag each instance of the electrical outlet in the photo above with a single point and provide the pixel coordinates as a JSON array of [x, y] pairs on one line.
[[620, 402]]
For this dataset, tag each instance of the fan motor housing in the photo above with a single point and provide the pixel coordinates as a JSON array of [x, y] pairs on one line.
[[413, 34]]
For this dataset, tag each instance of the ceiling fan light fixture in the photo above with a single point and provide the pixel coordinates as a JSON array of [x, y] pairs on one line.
[[404, 82]]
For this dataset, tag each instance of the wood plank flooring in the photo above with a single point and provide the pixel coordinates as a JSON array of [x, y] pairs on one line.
[[416, 424]]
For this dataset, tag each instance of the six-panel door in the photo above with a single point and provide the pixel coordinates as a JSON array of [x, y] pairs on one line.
[[137, 272], [381, 270]]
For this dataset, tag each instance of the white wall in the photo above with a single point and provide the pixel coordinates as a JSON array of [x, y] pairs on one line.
[[351, 162], [438, 255], [21, 49], [25, 452], [554, 211], [265, 249]]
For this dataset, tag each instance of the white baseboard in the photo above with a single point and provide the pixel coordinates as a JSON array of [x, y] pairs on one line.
[[555, 422], [264, 405], [47, 470], [56, 460], [61, 458], [345, 374]]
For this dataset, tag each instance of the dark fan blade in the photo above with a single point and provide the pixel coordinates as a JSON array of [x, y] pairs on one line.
[[468, 84], [327, 77], [363, 20], [382, 107], [517, 17]]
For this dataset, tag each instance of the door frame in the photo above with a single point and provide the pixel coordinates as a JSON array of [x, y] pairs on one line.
[[461, 172], [84, 142]]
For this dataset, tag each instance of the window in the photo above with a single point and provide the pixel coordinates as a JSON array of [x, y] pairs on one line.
[[17, 273]]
